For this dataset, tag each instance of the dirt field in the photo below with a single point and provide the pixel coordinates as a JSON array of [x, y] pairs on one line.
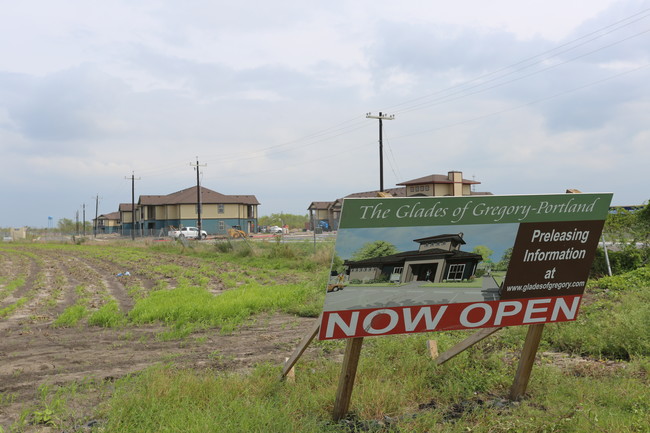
[[33, 352]]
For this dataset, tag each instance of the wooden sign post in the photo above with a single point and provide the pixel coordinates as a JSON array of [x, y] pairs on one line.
[[346, 379], [288, 365], [526, 361]]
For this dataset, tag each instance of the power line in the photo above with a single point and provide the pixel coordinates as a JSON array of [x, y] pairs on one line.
[[453, 93], [537, 101], [589, 37], [528, 59], [458, 92], [316, 138], [450, 98]]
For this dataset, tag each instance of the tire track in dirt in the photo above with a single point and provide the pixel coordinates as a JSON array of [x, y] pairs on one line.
[[105, 275], [33, 353], [83, 272], [32, 268], [62, 356], [39, 286], [120, 286], [70, 294]]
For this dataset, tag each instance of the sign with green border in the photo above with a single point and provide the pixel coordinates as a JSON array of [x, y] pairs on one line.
[[435, 272]]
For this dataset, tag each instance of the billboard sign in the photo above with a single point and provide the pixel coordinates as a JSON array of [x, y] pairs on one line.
[[422, 264]]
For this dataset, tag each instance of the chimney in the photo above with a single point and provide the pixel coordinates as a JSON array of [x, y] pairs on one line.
[[457, 178]]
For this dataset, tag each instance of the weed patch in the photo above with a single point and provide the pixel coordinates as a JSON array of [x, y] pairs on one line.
[[107, 316], [194, 305], [71, 316], [615, 325]]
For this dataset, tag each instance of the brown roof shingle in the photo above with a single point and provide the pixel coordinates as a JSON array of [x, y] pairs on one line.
[[436, 178], [188, 196]]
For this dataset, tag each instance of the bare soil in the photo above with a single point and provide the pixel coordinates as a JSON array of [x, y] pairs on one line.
[[34, 352]]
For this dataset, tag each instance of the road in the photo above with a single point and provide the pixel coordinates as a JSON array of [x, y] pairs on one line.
[[357, 297]]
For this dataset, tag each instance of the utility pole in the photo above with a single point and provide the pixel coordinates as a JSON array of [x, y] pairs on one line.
[[84, 219], [133, 179], [96, 215], [381, 145], [198, 193]]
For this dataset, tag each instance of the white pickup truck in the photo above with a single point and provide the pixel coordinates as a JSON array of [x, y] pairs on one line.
[[187, 233]]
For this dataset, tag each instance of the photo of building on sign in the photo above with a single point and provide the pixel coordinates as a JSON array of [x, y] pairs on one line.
[[412, 266]]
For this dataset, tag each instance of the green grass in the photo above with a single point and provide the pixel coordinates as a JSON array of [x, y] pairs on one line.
[[615, 325], [71, 316], [157, 401], [13, 307], [194, 305], [396, 384], [107, 316], [398, 388], [11, 286]]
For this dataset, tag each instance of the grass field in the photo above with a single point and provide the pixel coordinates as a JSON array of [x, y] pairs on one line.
[[591, 375]]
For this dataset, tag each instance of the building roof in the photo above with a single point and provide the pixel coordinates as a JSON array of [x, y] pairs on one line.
[[458, 237], [320, 205], [126, 207], [188, 196], [395, 192], [436, 178], [415, 254], [111, 216]]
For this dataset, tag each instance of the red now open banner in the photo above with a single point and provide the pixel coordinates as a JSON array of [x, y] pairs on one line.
[[447, 317]]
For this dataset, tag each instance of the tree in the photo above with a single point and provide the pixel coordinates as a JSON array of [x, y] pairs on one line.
[[503, 264], [484, 251], [374, 249], [629, 226], [66, 225], [281, 219], [629, 232]]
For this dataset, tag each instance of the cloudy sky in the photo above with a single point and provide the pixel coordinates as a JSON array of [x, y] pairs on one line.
[[525, 97]]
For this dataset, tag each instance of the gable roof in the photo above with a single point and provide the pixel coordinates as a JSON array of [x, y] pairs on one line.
[[395, 192], [436, 178], [125, 207], [320, 205], [188, 196], [458, 237], [434, 253], [110, 216]]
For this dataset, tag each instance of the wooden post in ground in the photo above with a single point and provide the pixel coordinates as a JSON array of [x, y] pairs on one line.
[[432, 345], [465, 344], [291, 374], [526, 361], [346, 380], [289, 363]]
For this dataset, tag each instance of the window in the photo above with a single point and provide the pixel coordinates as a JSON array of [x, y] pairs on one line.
[[222, 226], [412, 188], [456, 272], [398, 270], [221, 208]]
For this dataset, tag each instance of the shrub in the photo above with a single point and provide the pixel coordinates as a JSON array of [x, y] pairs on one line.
[[223, 246], [625, 260]]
